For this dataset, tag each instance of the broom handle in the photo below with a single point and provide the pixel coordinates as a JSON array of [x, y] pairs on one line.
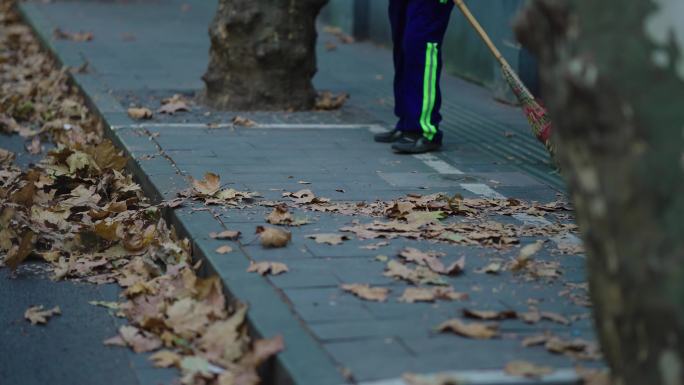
[[480, 31]]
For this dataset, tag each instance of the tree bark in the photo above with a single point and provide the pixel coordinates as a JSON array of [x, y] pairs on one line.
[[262, 55], [613, 79]]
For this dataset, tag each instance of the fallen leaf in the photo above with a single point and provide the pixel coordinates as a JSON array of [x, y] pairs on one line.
[[375, 246], [188, 317], [471, 330], [106, 304], [366, 292], [457, 267], [534, 340], [326, 100], [165, 359], [555, 317], [525, 255], [17, 254], [491, 268], [242, 121], [330, 239], [58, 33], [139, 340], [421, 275], [34, 147], [209, 186], [225, 249], [490, 315], [173, 105], [419, 294], [36, 314], [263, 268], [263, 349], [279, 216], [272, 237], [140, 113], [526, 369], [577, 348], [225, 341], [225, 235]]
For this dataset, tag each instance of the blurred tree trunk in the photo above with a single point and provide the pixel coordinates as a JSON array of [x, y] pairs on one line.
[[263, 55], [613, 78]]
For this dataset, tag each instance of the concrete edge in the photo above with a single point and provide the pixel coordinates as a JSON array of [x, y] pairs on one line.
[[304, 361], [564, 376]]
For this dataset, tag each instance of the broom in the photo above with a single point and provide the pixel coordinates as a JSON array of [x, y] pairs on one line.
[[535, 113]]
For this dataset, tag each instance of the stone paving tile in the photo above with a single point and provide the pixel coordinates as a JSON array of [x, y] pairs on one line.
[[360, 357]]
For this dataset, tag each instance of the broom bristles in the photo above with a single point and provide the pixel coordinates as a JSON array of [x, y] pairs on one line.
[[536, 115]]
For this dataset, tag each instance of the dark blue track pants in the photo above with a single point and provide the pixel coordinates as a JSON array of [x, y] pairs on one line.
[[418, 28]]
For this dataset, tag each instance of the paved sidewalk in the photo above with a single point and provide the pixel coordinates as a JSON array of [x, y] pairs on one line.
[[332, 337]]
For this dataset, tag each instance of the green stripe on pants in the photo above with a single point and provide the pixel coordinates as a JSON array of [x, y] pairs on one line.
[[429, 91]]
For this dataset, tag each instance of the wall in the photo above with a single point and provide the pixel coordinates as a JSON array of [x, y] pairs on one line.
[[464, 53]]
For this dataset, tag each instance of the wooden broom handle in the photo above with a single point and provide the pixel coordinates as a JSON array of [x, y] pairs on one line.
[[480, 31]]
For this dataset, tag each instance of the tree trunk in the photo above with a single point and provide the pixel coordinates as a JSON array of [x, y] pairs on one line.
[[613, 79], [263, 55]]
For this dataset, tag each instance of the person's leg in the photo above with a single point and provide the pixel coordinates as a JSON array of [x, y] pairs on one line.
[[397, 18], [427, 21]]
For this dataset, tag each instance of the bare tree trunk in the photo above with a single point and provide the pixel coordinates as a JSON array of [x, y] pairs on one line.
[[263, 55], [613, 78]]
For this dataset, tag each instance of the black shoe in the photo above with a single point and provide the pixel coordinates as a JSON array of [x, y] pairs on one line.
[[389, 136], [416, 145]]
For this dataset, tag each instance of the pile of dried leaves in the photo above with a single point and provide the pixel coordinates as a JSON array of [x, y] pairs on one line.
[[79, 210]]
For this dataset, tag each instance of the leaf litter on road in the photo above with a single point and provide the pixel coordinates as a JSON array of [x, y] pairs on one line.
[[80, 211], [38, 315]]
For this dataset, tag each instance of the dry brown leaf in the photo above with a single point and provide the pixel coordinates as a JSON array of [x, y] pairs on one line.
[[526, 369], [225, 341], [420, 294], [471, 330], [139, 340], [457, 267], [525, 255], [272, 237], [366, 292], [36, 314], [225, 249], [421, 275], [208, 186], [140, 113], [305, 197], [263, 268], [539, 339], [577, 348], [326, 100], [491, 268], [280, 216], [263, 349], [165, 359], [330, 239], [188, 317], [171, 108], [490, 315], [225, 235], [242, 121], [375, 246], [18, 253], [58, 33]]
